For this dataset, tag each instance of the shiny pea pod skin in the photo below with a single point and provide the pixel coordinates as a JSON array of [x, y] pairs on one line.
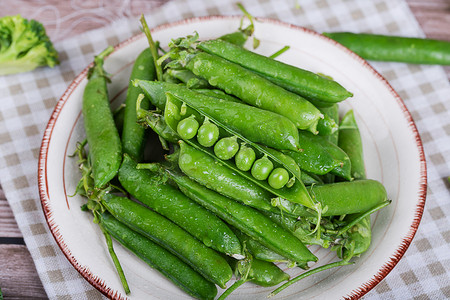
[[254, 89], [257, 250], [188, 78], [105, 147], [167, 234], [349, 197], [160, 259], [166, 200], [133, 135], [313, 157], [350, 142], [255, 124], [394, 48], [208, 172], [299, 81], [246, 219], [266, 274]]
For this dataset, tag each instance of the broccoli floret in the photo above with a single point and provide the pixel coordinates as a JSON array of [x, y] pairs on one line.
[[24, 46]]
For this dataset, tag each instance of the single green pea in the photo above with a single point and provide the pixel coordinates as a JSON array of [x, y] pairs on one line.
[[262, 168], [278, 178], [226, 148], [208, 134], [187, 128], [245, 158]]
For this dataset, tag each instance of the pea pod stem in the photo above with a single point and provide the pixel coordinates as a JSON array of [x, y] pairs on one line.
[[309, 273], [115, 260], [153, 47], [363, 215]]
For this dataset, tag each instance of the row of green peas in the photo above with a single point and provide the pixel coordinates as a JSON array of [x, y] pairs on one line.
[[228, 147]]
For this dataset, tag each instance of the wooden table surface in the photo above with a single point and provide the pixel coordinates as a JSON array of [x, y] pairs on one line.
[[18, 276]]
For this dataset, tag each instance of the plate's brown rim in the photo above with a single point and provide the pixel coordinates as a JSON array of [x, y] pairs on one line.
[[99, 283]]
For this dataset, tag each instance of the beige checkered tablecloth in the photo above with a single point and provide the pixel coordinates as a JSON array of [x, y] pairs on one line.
[[27, 101]]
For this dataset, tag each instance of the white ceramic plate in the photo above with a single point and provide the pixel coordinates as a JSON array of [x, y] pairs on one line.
[[392, 150]]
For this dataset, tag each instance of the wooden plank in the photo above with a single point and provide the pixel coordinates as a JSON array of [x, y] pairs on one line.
[[18, 276], [8, 225]]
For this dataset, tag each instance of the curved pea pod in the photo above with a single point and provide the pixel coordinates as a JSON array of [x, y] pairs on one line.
[[313, 156], [160, 230], [327, 126], [133, 135], [350, 142], [257, 125], [207, 171], [348, 197], [294, 225], [155, 93], [188, 78], [246, 219], [105, 147], [194, 161], [166, 200], [160, 259], [218, 94], [257, 250], [156, 122], [299, 81], [259, 272], [253, 89]]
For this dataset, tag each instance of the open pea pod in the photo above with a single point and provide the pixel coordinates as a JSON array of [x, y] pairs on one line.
[[296, 192]]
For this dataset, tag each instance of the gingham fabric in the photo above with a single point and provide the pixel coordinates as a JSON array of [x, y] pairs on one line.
[[27, 101]]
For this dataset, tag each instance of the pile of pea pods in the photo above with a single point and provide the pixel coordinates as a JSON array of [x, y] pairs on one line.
[[257, 166]]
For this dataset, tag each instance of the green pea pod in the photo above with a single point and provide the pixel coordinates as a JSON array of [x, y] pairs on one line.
[[156, 122], [313, 156], [257, 125], [248, 220], [350, 142], [166, 200], [326, 126], [160, 230], [214, 175], [160, 259], [155, 93], [257, 250], [105, 147], [294, 225], [349, 197], [133, 135], [394, 48], [266, 274], [191, 156], [218, 94], [299, 81], [188, 78], [259, 272], [252, 88], [333, 113]]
